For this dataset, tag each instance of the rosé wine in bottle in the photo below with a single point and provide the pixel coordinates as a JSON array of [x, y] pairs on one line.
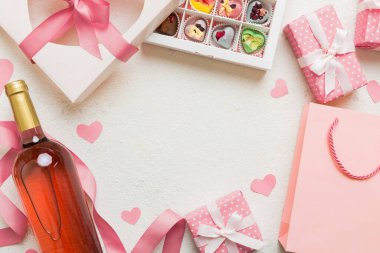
[[48, 184]]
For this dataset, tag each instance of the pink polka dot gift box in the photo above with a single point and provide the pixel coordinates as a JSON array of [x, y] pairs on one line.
[[325, 54], [226, 225], [367, 34]]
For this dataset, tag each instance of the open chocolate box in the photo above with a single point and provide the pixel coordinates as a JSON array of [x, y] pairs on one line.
[[243, 32]]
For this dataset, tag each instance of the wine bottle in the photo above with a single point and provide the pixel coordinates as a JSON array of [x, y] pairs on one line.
[[48, 183]]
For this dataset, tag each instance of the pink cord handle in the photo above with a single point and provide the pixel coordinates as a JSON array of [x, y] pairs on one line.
[[338, 162]]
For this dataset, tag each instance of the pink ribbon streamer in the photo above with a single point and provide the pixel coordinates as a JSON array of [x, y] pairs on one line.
[[91, 21], [168, 225]]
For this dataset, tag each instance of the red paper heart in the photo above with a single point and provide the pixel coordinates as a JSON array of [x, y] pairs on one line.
[[91, 132], [6, 71], [373, 89], [265, 186], [280, 89], [132, 216]]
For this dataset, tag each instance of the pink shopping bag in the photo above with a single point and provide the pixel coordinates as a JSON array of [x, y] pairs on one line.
[[328, 208]]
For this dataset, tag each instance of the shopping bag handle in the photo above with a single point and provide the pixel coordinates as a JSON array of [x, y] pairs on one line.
[[338, 162]]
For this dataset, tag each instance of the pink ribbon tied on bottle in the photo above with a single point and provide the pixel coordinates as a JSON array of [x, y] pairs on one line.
[[91, 19]]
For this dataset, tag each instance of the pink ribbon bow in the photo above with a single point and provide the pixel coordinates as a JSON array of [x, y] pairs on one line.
[[91, 21]]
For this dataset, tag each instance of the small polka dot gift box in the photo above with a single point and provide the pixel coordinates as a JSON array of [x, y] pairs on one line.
[[326, 54], [367, 34], [226, 225]]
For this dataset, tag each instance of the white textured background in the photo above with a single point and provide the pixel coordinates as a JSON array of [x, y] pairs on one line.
[[181, 130]]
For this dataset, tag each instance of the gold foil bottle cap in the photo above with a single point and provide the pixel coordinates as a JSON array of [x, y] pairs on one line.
[[22, 106], [15, 87]]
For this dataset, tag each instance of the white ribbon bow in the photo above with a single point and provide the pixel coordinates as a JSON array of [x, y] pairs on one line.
[[214, 237], [370, 5], [324, 60]]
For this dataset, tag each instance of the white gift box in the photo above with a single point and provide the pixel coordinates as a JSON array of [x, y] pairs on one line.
[[76, 72], [263, 61]]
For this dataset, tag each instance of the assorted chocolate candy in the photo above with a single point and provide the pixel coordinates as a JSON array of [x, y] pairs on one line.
[[196, 29], [170, 25], [236, 25], [206, 6], [230, 8], [258, 12], [223, 36], [252, 40]]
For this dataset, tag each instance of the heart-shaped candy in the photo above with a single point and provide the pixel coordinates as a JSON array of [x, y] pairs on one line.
[[223, 36], [170, 25], [230, 8], [196, 29], [258, 12], [252, 40], [205, 6]]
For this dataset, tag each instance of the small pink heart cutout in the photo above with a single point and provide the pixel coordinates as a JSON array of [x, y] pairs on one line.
[[6, 71], [31, 251], [265, 186], [90, 132], [280, 89], [132, 216], [373, 89]]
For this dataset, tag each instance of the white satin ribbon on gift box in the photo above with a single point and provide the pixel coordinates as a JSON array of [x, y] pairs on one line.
[[214, 237], [370, 5], [324, 60]]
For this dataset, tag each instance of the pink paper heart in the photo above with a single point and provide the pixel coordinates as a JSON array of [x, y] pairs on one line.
[[31, 251], [132, 216], [6, 71], [280, 89], [265, 186], [373, 89], [91, 132]]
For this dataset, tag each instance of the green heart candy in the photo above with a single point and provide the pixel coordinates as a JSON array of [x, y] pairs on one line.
[[252, 40]]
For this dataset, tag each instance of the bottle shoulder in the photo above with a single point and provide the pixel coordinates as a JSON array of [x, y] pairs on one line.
[[47, 150], [46, 144]]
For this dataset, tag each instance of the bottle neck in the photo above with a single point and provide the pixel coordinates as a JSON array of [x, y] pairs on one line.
[[25, 115], [32, 137]]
